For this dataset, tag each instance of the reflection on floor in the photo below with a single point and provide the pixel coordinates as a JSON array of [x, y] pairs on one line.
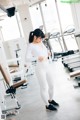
[[33, 107]]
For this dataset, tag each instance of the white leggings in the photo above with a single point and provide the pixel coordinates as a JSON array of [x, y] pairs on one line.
[[45, 77]]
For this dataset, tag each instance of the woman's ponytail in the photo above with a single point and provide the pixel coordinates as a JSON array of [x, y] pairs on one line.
[[31, 35]]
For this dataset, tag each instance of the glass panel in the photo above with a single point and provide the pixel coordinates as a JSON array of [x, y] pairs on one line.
[[36, 16], [67, 24], [50, 16], [52, 22]]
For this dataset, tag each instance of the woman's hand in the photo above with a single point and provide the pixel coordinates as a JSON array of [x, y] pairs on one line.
[[49, 53], [41, 58]]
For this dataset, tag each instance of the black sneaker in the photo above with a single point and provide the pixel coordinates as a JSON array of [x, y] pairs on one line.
[[54, 103], [51, 107]]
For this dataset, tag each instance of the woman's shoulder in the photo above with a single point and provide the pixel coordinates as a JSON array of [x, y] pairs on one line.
[[30, 45]]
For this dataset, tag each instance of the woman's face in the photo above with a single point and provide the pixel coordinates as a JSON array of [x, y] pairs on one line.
[[37, 39]]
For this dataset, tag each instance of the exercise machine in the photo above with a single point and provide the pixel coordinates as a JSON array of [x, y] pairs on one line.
[[10, 89]]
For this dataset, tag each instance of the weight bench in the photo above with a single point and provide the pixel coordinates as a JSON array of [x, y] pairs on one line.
[[75, 74], [11, 89]]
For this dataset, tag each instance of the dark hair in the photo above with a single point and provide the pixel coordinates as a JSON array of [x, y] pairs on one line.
[[37, 32]]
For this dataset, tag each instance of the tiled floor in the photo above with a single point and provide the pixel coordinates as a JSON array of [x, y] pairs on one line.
[[65, 94]]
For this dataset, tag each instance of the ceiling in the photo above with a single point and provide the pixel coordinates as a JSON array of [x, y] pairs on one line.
[[8, 3], [11, 3]]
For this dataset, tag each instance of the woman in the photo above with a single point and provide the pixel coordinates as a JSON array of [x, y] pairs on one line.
[[36, 50]]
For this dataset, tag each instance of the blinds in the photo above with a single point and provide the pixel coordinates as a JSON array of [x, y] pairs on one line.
[[70, 1]]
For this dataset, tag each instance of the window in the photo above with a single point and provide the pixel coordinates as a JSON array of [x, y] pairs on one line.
[[52, 21], [10, 28]]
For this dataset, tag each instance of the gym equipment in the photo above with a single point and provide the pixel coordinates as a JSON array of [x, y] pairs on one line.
[[69, 35], [77, 37], [56, 35], [2, 116], [48, 46], [16, 63], [76, 75], [76, 53], [16, 51], [71, 58], [67, 32], [11, 89], [72, 62], [3, 60], [62, 54], [74, 65]]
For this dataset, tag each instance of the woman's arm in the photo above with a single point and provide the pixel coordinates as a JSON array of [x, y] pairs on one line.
[[29, 57]]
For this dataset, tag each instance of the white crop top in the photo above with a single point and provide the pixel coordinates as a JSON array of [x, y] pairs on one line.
[[36, 50]]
